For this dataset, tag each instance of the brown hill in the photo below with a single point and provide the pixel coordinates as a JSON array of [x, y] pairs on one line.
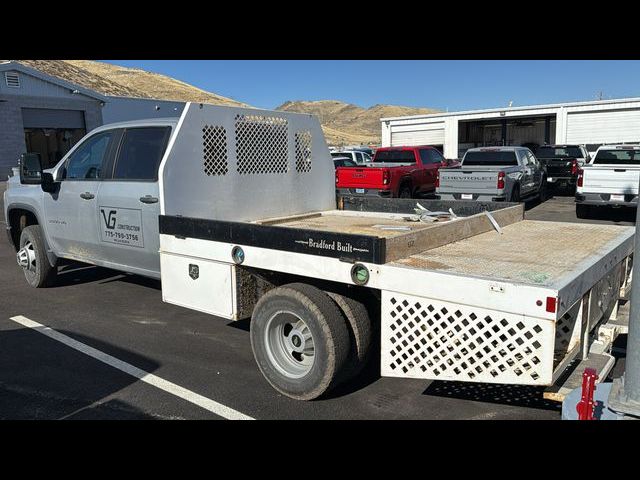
[[344, 123], [111, 79]]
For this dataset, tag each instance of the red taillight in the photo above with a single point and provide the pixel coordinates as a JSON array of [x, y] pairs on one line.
[[551, 304], [500, 180], [385, 177], [574, 166], [438, 179], [580, 177], [336, 177]]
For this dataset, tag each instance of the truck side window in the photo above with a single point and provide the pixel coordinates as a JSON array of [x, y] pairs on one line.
[[429, 155], [86, 162], [359, 158], [140, 153], [531, 159], [523, 158], [437, 156]]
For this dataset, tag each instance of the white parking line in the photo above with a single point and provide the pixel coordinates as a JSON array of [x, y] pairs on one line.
[[169, 387]]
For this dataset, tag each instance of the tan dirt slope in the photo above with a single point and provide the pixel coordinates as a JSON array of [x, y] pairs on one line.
[[344, 123], [111, 79]]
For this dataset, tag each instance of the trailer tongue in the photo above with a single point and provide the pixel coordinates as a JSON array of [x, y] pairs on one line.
[[453, 299]]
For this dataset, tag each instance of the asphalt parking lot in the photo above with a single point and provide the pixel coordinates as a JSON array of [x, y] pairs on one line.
[[114, 350]]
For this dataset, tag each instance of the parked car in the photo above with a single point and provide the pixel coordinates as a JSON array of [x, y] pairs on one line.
[[404, 172], [343, 162], [494, 174], [562, 163], [610, 179], [361, 158]]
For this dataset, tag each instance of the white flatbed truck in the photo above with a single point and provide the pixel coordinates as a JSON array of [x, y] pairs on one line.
[[454, 300], [250, 226]]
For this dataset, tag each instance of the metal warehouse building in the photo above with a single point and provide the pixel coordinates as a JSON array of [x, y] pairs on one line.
[[590, 123], [47, 115]]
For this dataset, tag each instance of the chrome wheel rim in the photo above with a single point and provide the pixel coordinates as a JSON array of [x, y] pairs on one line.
[[289, 344], [26, 257]]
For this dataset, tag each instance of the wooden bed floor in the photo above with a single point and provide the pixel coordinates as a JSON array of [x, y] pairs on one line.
[[361, 224]]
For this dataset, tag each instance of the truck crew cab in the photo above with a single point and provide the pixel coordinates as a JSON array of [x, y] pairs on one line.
[[99, 204]]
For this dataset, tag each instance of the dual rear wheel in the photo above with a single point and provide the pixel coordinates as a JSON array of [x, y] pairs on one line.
[[306, 341]]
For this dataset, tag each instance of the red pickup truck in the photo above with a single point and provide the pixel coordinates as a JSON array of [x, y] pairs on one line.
[[404, 172]]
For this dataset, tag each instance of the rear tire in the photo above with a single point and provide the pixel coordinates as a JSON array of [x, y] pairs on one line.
[[405, 192], [583, 211], [32, 257], [359, 324], [515, 194], [300, 340]]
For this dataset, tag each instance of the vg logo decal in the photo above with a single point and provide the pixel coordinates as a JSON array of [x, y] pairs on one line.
[[109, 220]]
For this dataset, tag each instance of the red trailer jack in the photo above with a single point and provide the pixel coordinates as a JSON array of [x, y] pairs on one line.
[[586, 404]]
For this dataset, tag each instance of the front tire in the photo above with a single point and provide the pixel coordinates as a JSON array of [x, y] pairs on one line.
[[300, 340], [32, 257]]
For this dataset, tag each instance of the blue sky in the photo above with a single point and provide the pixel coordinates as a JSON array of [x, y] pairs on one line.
[[442, 84]]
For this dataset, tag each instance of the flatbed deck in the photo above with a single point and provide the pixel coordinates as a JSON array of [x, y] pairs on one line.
[[527, 252]]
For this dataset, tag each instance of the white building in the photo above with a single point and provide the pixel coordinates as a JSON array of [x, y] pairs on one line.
[[590, 123]]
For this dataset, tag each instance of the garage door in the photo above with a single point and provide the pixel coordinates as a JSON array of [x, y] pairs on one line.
[[604, 127], [50, 118], [418, 135]]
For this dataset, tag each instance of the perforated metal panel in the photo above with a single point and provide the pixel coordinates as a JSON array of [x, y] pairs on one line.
[[425, 338], [261, 144], [303, 151], [567, 332], [195, 182], [214, 150]]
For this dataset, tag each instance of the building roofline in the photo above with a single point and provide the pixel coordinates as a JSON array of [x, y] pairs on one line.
[[514, 109], [15, 65]]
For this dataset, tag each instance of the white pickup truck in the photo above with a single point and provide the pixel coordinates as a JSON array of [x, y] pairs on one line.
[[235, 210], [610, 179]]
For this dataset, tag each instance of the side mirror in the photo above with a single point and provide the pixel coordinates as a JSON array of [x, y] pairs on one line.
[[48, 184], [30, 169]]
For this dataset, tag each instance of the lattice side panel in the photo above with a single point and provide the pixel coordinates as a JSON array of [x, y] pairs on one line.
[[214, 150], [567, 332], [261, 144], [431, 339], [303, 151]]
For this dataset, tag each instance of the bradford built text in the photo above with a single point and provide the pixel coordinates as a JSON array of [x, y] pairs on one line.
[[337, 246]]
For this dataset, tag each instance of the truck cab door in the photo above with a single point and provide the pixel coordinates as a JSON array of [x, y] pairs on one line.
[[537, 171], [526, 180], [128, 202], [71, 212], [431, 161]]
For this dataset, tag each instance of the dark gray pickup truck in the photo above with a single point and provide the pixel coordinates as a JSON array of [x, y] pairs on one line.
[[493, 174]]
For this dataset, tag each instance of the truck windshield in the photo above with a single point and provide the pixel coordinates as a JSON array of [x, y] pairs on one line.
[[617, 157], [395, 156], [558, 152], [490, 157]]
